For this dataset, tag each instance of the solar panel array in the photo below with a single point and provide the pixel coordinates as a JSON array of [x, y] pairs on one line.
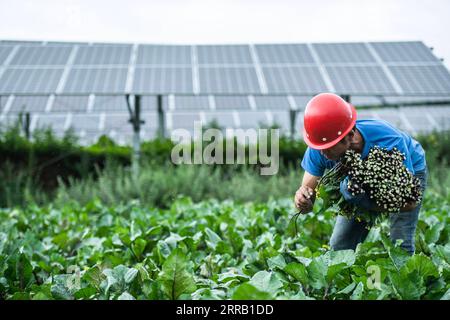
[[270, 79]]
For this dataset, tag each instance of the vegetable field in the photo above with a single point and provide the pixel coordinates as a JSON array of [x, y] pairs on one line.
[[213, 250]]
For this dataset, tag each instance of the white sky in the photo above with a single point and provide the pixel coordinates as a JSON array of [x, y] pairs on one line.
[[230, 21]]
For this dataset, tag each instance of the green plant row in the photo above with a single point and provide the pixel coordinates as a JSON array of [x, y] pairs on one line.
[[212, 250]]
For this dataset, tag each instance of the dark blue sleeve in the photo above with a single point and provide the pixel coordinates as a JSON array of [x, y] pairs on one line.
[[312, 162]]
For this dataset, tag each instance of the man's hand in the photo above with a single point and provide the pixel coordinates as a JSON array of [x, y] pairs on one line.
[[304, 199]]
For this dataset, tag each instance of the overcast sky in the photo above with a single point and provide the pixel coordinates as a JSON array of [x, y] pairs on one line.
[[230, 21]]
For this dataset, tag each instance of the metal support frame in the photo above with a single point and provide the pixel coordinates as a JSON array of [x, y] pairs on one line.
[[135, 120], [161, 117], [292, 117], [24, 119]]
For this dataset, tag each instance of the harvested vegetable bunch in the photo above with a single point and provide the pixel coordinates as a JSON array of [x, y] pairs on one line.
[[382, 177]]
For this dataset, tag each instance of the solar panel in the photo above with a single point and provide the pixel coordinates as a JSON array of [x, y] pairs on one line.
[[4, 52], [86, 122], [343, 52], [359, 79], [150, 103], [284, 69], [18, 42], [54, 122], [163, 54], [416, 118], [440, 111], [87, 138], [253, 119], [35, 80], [191, 102], [3, 102], [103, 55], [88, 80], [162, 80], [29, 104], [272, 103], [299, 124], [393, 117], [110, 104], [228, 80], [121, 138], [184, 120], [422, 79], [8, 121], [284, 53], [365, 100], [403, 52], [63, 43], [441, 115], [119, 104], [282, 119], [400, 99], [227, 102], [118, 121], [42, 55], [366, 114], [294, 79], [151, 122], [301, 101], [116, 126], [223, 118], [70, 104], [224, 54]]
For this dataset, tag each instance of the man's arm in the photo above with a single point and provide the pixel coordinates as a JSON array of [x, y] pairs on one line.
[[305, 195]]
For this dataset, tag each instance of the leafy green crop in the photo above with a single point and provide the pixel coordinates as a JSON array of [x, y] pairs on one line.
[[213, 250]]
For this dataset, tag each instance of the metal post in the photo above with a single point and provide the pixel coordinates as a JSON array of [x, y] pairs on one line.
[[161, 122], [346, 97], [136, 135], [292, 118], [26, 125], [135, 120], [24, 121]]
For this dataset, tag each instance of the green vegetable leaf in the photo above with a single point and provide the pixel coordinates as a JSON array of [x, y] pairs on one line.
[[397, 254], [298, 272], [432, 235], [276, 262], [138, 246], [85, 293], [130, 275], [317, 272], [342, 256], [358, 292], [175, 278], [126, 296], [446, 295], [247, 291], [266, 281], [423, 265], [408, 286]]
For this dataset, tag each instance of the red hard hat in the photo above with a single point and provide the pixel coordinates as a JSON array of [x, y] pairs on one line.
[[328, 118]]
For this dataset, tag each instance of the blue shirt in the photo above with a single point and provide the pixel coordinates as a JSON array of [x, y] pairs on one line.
[[375, 133]]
